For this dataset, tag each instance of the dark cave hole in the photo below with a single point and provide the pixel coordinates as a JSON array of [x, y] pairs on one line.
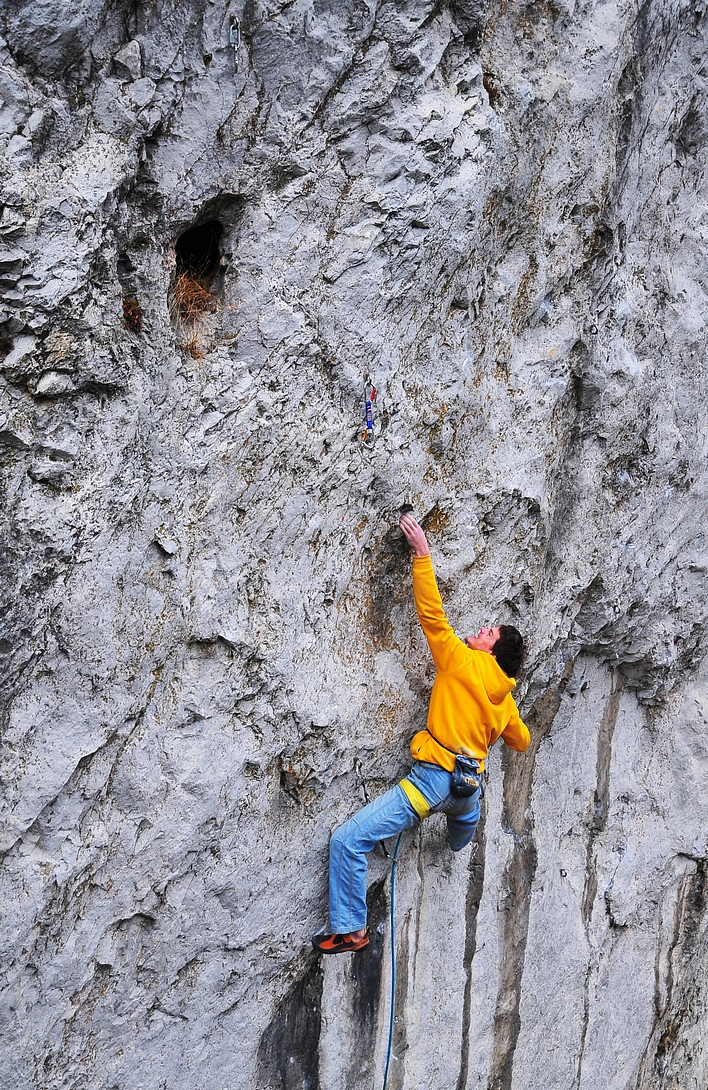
[[198, 254]]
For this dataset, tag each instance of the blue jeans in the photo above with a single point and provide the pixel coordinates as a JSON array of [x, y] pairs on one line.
[[387, 816]]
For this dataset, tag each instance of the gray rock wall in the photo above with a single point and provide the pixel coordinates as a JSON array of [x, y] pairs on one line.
[[499, 214]]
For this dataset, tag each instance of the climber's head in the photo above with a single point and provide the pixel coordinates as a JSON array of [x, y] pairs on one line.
[[485, 639], [504, 642], [509, 649]]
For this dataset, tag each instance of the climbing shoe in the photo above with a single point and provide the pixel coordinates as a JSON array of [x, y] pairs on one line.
[[339, 944]]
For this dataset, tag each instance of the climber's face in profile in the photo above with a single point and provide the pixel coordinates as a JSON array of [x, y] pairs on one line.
[[484, 640]]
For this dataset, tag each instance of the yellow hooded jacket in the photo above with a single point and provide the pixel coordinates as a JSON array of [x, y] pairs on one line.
[[471, 703]]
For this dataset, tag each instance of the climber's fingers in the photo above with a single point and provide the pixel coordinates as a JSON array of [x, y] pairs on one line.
[[413, 534]]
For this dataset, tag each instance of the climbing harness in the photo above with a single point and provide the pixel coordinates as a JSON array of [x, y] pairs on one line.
[[369, 395], [235, 39], [393, 960], [416, 798]]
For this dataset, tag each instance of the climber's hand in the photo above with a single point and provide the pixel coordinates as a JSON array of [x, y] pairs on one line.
[[414, 535]]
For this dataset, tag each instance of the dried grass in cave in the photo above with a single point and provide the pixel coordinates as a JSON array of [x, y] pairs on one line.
[[191, 300]]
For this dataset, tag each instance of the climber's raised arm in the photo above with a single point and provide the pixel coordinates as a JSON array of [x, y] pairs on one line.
[[446, 648]]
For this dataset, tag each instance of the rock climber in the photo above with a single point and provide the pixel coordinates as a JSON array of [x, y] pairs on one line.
[[471, 706]]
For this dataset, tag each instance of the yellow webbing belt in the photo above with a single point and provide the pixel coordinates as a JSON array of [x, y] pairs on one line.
[[417, 801]]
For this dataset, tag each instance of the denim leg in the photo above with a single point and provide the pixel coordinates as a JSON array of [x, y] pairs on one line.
[[386, 816], [460, 830], [462, 814], [462, 819]]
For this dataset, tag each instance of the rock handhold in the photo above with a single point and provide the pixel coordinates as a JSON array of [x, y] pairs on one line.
[[129, 62], [46, 471], [54, 384]]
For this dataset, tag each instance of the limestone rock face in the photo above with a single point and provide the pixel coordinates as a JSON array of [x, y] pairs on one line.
[[218, 222]]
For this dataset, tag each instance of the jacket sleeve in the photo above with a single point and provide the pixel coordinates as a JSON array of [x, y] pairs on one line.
[[446, 648], [516, 733]]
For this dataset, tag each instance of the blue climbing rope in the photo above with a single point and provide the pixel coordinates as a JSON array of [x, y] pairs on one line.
[[393, 959]]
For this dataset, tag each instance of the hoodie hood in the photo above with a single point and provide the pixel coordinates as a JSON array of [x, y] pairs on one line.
[[497, 684]]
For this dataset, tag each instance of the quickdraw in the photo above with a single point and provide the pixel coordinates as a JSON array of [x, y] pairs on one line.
[[369, 396], [235, 39], [362, 784]]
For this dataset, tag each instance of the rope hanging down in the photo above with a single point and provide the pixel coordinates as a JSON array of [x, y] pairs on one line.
[[367, 800], [393, 961], [369, 395]]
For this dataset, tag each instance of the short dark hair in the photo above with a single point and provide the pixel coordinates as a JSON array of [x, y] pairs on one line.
[[509, 649]]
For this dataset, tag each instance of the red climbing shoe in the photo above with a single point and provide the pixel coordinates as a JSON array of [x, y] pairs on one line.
[[339, 944]]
